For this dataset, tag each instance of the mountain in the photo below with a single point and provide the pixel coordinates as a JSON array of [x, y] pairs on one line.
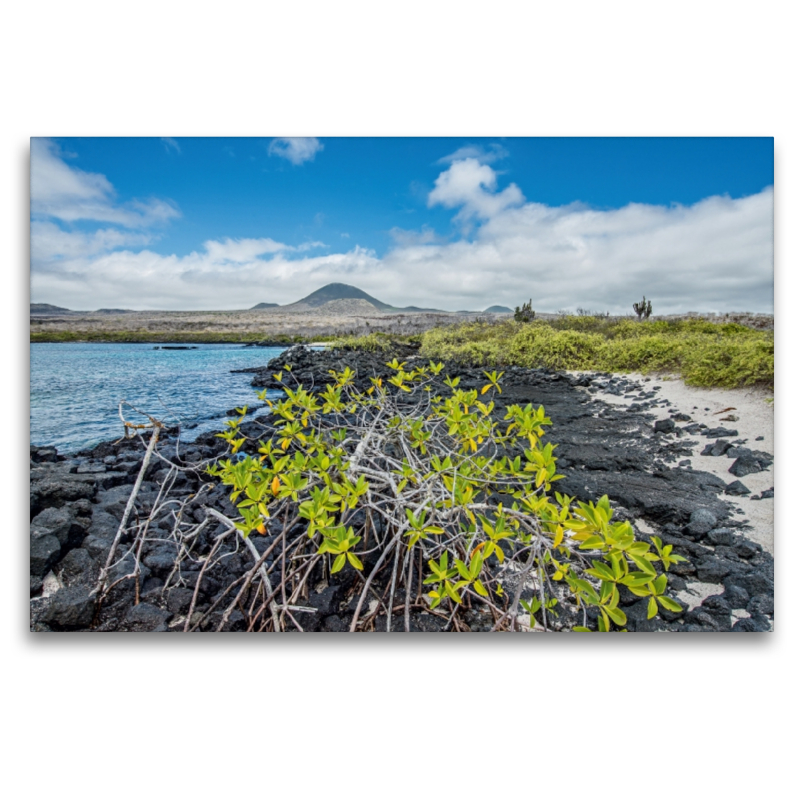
[[264, 305], [340, 291], [46, 308], [498, 310]]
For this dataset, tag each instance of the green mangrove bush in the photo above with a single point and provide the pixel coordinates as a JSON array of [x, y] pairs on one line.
[[416, 486]]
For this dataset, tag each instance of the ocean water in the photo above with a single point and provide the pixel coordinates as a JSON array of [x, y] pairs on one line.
[[76, 388]]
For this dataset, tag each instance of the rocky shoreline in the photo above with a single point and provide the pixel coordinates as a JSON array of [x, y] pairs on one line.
[[638, 450]]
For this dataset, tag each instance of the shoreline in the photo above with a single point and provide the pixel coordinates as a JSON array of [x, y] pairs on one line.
[[607, 443]]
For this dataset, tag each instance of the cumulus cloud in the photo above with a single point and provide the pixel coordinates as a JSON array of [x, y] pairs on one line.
[[50, 243], [470, 185], [241, 250], [296, 149], [484, 155], [70, 194], [714, 255]]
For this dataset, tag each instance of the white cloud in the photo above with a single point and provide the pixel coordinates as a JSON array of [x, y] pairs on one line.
[[296, 149], [484, 155], [51, 243], [241, 251], [405, 238], [471, 186], [67, 193], [171, 144], [715, 255]]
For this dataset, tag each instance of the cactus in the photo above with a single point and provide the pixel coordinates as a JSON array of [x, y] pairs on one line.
[[643, 309], [524, 314]]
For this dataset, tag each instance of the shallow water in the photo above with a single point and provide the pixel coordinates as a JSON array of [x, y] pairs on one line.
[[76, 388]]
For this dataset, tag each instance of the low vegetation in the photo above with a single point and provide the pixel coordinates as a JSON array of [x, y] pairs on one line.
[[428, 502], [175, 337], [703, 353], [374, 342]]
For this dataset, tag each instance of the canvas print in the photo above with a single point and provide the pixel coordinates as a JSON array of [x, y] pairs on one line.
[[500, 385]]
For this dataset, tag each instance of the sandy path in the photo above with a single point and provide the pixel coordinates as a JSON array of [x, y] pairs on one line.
[[754, 417]]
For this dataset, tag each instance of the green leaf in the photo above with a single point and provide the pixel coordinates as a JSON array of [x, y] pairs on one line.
[[338, 564], [617, 615], [652, 608], [355, 561], [670, 604]]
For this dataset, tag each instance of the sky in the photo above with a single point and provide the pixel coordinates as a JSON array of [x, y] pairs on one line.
[[452, 223]]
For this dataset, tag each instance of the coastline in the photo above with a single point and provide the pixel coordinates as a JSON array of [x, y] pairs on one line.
[[608, 443]]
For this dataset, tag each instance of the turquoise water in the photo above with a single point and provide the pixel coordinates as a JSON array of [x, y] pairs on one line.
[[76, 388]]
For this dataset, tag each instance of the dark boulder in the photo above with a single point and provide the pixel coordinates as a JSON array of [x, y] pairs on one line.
[[701, 521], [69, 609], [746, 549], [335, 624], [78, 567], [748, 464], [713, 570], [327, 601], [761, 605], [737, 489], [45, 552], [720, 536], [718, 433], [751, 625], [718, 448], [147, 617]]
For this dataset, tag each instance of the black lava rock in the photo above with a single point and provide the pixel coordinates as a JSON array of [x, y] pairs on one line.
[[664, 426], [701, 521], [746, 549], [747, 464], [719, 536], [334, 624], [637, 617], [718, 448], [71, 608], [147, 617], [45, 551], [751, 625], [327, 601], [737, 488], [736, 596], [718, 433], [713, 570], [78, 567], [761, 605]]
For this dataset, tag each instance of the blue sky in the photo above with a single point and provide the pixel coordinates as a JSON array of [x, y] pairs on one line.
[[449, 222]]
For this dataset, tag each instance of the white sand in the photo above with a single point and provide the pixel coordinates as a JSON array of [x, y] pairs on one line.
[[754, 417]]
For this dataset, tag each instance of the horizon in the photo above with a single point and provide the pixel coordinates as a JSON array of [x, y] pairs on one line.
[[195, 224]]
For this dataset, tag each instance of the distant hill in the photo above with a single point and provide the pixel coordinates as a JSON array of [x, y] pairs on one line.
[[114, 311], [46, 308], [342, 291], [264, 305], [498, 310]]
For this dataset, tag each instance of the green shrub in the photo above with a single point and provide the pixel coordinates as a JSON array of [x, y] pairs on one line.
[[400, 476], [704, 353]]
